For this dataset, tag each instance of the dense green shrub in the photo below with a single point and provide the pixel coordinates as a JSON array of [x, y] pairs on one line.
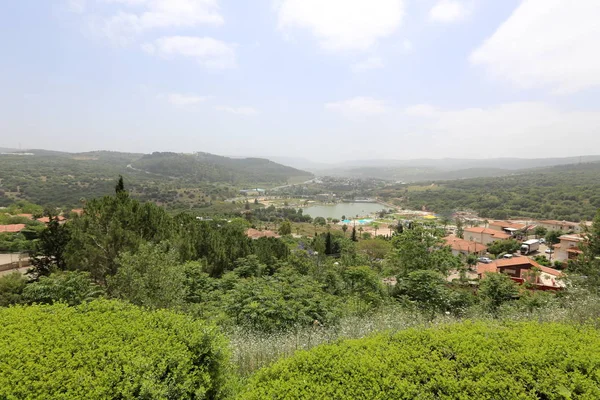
[[459, 361], [71, 287], [108, 350]]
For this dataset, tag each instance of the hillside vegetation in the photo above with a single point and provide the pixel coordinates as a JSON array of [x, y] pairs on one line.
[[211, 168], [570, 192], [175, 180]]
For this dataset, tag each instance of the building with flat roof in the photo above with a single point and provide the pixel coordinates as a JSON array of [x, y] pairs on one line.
[[484, 236]]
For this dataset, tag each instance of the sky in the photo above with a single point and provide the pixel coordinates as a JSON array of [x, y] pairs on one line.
[[325, 80]]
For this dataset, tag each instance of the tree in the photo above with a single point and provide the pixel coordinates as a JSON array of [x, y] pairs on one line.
[[320, 221], [504, 246], [353, 237], [150, 277], [374, 249], [553, 237], [496, 289], [375, 226], [328, 244], [540, 231], [344, 228], [587, 267], [285, 228], [422, 248], [49, 254], [120, 187], [425, 288], [460, 231], [11, 289], [70, 287]]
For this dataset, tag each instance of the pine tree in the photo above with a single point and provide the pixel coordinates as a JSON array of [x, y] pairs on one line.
[[120, 188], [328, 244]]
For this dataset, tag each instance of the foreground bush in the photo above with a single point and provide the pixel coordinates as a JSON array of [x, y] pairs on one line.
[[107, 349], [459, 361]]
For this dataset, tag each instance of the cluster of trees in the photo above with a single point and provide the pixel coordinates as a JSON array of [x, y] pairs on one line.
[[563, 193], [272, 213]]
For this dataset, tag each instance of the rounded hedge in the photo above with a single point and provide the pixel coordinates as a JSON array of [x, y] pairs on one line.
[[108, 350], [461, 361]]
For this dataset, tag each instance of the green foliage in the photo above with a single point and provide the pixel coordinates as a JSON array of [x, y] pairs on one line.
[[496, 289], [110, 226], [213, 168], [508, 246], [553, 237], [426, 289], [540, 231], [285, 228], [458, 361], [363, 283], [420, 248], [283, 301], [49, 254], [320, 221], [11, 288], [106, 349], [150, 277], [14, 243], [70, 287], [569, 192]]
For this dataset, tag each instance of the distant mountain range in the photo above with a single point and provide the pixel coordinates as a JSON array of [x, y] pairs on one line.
[[432, 169]]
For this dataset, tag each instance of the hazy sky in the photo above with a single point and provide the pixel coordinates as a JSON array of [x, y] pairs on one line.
[[320, 79]]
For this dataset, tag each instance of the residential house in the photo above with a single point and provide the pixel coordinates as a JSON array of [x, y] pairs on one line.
[[521, 269], [561, 226], [465, 247], [256, 234], [13, 228], [568, 248], [484, 236]]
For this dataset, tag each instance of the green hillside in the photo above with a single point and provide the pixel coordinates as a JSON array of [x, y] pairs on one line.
[[568, 192], [205, 167], [60, 179]]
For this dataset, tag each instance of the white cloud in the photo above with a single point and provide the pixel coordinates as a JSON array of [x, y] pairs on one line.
[[182, 100], [420, 110], [124, 26], [245, 111], [525, 129], [343, 24], [447, 11], [368, 64], [546, 43], [358, 107], [76, 6], [208, 52]]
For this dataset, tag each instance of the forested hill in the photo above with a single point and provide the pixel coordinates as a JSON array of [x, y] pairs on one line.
[[51, 178], [567, 192], [212, 168]]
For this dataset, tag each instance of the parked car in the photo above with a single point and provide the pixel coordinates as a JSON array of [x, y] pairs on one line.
[[549, 251], [485, 260], [542, 240], [508, 256]]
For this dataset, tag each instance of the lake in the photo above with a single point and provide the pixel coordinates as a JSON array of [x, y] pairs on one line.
[[339, 209]]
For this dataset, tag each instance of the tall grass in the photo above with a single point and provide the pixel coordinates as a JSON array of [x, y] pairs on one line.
[[252, 350]]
